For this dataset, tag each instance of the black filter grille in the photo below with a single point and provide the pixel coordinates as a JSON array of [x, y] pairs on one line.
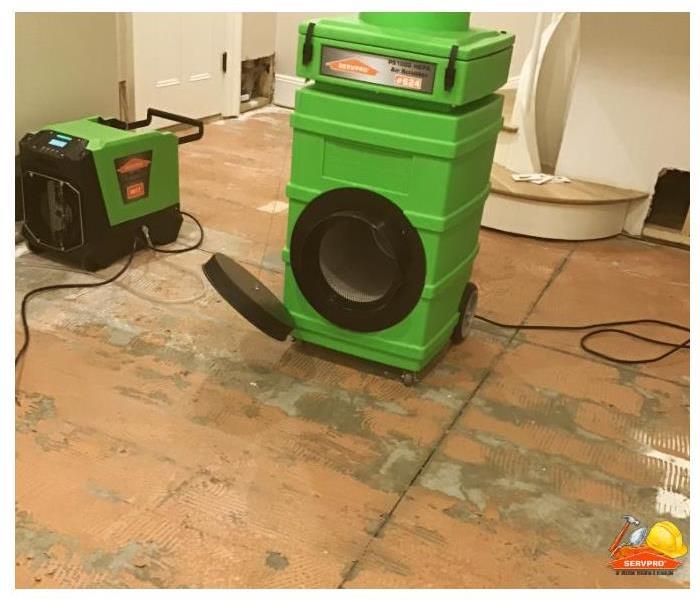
[[357, 259], [357, 264]]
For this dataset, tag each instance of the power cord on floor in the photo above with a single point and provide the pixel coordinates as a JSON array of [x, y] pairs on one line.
[[608, 327], [177, 250], [65, 286]]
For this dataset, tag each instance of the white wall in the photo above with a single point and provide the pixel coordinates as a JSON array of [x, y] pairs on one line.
[[65, 68], [630, 109], [258, 32]]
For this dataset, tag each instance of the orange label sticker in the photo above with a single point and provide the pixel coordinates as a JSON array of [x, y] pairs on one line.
[[133, 164], [352, 65], [135, 190]]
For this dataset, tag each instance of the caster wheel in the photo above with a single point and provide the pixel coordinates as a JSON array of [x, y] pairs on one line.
[[408, 379], [467, 310]]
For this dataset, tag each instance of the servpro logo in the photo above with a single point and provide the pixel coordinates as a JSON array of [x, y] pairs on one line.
[[133, 164], [643, 551], [351, 65], [648, 563], [133, 174]]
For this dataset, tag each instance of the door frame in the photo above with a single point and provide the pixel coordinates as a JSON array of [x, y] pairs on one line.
[[233, 27]]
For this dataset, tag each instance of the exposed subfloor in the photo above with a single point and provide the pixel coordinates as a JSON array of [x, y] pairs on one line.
[[163, 441]]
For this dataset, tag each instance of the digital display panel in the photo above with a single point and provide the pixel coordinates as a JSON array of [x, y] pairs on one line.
[[58, 143]]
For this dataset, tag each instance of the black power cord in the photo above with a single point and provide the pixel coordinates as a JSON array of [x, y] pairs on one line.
[[178, 250], [609, 327], [66, 286]]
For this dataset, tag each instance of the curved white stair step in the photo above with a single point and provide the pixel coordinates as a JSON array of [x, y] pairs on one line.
[[580, 210]]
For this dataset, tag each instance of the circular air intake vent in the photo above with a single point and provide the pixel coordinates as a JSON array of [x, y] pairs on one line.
[[357, 259]]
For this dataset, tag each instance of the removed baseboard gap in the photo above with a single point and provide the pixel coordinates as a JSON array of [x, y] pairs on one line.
[[666, 235]]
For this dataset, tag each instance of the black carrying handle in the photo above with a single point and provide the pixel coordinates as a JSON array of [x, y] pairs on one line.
[[451, 69], [155, 112], [308, 47]]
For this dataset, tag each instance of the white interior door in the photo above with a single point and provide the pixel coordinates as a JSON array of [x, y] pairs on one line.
[[177, 63]]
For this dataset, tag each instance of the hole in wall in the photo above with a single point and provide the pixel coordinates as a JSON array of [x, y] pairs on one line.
[[671, 199], [257, 82]]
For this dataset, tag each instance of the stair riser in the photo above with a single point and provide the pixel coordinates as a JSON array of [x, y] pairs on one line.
[[557, 221]]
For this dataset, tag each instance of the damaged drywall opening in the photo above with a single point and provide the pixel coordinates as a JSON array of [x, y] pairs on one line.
[[257, 82], [671, 199]]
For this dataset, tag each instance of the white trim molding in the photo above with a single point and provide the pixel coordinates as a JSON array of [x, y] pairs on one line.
[[233, 25], [286, 87]]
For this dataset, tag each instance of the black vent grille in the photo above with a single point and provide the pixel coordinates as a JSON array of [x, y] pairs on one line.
[[52, 211]]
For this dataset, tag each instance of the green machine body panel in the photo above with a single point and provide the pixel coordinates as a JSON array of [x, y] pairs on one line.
[[422, 138], [435, 166], [392, 150], [109, 144]]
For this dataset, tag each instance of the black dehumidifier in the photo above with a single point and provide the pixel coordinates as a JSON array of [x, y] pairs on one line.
[[89, 186]]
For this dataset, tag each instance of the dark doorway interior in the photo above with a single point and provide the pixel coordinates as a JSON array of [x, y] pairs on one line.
[[671, 200]]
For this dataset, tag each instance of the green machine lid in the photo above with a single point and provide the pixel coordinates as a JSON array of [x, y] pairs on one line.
[[431, 59], [431, 34]]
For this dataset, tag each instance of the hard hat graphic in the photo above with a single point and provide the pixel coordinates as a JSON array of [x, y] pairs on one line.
[[665, 538]]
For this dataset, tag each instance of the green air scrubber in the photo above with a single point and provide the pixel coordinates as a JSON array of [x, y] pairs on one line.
[[391, 158], [89, 186]]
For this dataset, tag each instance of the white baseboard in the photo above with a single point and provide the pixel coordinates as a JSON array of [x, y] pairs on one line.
[[286, 87], [637, 214]]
